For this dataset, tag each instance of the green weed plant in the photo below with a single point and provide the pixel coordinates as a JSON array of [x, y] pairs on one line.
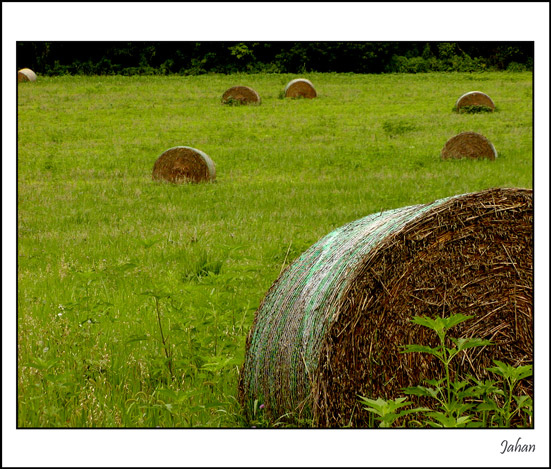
[[459, 403]]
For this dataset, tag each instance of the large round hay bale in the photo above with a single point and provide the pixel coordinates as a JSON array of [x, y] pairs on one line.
[[240, 95], [26, 74], [475, 99], [332, 325], [300, 88], [184, 164], [470, 145]]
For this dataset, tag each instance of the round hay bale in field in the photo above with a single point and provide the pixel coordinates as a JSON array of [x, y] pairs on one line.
[[474, 99], [184, 164], [300, 88], [469, 145], [332, 325], [26, 74], [240, 95]]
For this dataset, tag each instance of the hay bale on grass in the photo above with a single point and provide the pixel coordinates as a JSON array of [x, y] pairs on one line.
[[300, 88], [474, 99], [26, 74], [240, 95], [469, 145], [184, 164], [332, 324]]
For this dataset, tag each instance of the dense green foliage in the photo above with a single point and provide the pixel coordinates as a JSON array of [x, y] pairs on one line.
[[194, 58], [108, 258]]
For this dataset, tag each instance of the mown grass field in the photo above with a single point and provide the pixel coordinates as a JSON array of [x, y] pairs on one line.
[[103, 251]]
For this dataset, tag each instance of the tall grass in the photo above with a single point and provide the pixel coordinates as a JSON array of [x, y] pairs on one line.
[[107, 258]]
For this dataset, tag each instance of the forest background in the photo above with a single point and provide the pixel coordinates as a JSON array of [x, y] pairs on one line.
[[196, 58]]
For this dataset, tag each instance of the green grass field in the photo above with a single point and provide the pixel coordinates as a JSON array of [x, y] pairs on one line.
[[104, 252]]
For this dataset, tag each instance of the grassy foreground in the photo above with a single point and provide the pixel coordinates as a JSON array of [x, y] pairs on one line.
[[107, 258]]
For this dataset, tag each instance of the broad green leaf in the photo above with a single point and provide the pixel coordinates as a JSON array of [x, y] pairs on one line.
[[460, 407], [440, 325], [458, 385], [450, 422], [463, 420], [461, 391], [425, 321], [375, 406], [487, 406], [510, 372], [437, 383], [442, 419], [452, 352], [523, 401], [420, 349], [395, 404], [415, 410], [475, 425], [454, 320], [484, 387], [463, 344], [523, 372], [501, 368]]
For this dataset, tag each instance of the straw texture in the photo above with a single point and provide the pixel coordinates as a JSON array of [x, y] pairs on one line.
[[330, 327], [300, 88], [240, 95], [469, 145], [184, 164]]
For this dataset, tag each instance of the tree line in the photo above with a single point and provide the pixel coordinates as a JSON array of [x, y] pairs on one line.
[[195, 58]]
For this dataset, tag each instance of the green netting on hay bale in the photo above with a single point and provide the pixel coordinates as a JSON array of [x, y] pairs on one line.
[[26, 74], [332, 324]]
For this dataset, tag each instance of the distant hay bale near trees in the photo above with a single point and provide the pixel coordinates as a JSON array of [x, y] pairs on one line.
[[26, 74], [470, 145], [240, 95], [474, 101], [332, 325], [300, 88], [184, 164]]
